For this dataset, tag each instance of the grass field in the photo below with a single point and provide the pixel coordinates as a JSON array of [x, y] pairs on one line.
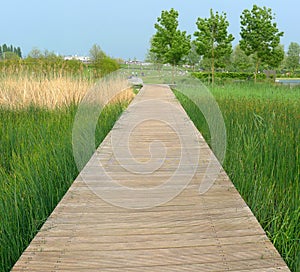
[[153, 74], [36, 163], [263, 155]]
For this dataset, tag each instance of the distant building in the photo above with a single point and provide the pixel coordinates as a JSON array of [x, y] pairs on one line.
[[83, 59], [133, 62]]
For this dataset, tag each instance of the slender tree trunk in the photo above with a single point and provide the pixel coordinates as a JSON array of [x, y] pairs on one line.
[[158, 67], [213, 72], [173, 73], [213, 67], [256, 70]]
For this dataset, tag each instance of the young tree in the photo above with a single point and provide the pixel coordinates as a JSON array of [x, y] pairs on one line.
[[153, 58], [96, 53], [102, 63], [50, 55], [240, 61], [212, 39], [260, 36], [293, 56], [4, 48], [35, 53], [193, 58], [169, 44]]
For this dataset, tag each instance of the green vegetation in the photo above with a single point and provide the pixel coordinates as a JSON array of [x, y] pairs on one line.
[[169, 45], [293, 56], [206, 76], [54, 67], [261, 37], [45, 68], [101, 63], [36, 169], [263, 155], [10, 52], [259, 48], [213, 41], [48, 65]]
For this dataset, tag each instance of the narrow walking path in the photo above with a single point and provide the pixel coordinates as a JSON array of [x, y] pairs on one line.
[[136, 205]]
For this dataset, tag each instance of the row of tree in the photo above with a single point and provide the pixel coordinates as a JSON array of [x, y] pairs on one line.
[[260, 40], [10, 51], [99, 60], [48, 63], [240, 62]]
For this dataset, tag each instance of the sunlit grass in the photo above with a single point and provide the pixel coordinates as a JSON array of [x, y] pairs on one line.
[[50, 93], [263, 156]]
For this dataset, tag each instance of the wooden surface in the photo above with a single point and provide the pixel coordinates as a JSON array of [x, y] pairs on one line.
[[135, 227]]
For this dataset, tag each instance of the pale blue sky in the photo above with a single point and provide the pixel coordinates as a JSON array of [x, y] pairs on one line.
[[122, 28]]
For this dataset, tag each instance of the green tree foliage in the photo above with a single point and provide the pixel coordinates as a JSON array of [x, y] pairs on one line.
[[102, 63], [5, 48], [293, 59], [240, 62], [10, 52], [275, 59], [193, 58], [35, 53], [10, 56], [169, 44], [260, 36], [212, 39], [96, 53], [151, 57], [19, 52]]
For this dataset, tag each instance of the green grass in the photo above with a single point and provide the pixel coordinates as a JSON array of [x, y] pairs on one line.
[[36, 169], [154, 75], [263, 156]]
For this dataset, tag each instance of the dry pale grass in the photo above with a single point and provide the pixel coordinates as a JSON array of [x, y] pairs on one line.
[[125, 95], [57, 92], [111, 89], [25, 91]]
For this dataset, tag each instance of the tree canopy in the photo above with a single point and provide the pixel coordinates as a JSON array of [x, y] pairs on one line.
[[102, 63], [213, 40], [260, 36], [8, 52], [96, 53], [169, 44], [240, 61], [293, 56]]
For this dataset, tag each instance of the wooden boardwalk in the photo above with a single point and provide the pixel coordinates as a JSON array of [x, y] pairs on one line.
[[115, 219]]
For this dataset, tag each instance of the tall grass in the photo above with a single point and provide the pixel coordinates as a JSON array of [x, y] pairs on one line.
[[36, 163], [25, 91], [263, 156]]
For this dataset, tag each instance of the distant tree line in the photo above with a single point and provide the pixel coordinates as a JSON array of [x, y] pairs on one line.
[[48, 64], [211, 49], [10, 52]]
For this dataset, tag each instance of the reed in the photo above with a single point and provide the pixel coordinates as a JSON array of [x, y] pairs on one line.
[[263, 158], [49, 93]]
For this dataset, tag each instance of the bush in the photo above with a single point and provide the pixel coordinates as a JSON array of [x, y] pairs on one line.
[[104, 66], [205, 76]]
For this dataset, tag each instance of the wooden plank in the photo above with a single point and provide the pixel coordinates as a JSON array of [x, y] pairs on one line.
[[215, 231]]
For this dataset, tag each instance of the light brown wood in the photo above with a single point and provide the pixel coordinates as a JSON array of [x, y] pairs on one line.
[[215, 231]]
